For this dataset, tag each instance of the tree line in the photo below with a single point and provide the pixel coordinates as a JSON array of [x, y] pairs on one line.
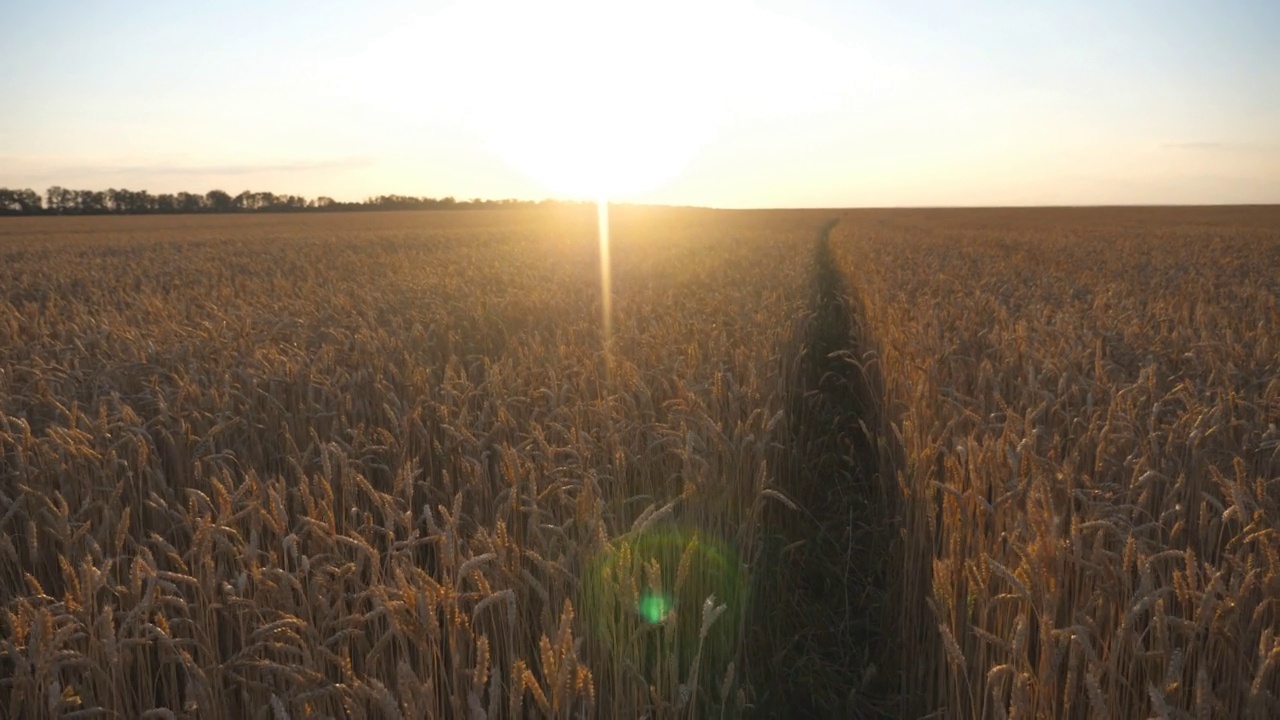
[[63, 201]]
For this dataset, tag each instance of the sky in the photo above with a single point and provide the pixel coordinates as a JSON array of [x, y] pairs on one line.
[[804, 103]]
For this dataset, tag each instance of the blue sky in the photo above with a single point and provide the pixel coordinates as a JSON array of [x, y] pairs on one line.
[[728, 104]]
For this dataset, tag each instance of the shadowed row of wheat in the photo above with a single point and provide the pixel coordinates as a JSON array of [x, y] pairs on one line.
[[1084, 407], [356, 467]]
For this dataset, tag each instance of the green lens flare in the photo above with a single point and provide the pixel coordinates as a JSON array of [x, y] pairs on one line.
[[654, 607], [643, 602]]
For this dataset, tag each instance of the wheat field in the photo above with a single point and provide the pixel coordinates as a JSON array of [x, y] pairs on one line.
[[1081, 411], [826, 464]]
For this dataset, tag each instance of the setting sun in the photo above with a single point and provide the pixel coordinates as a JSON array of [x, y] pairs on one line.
[[608, 99], [584, 110]]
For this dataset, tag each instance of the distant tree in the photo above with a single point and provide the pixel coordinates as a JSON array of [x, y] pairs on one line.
[[119, 201], [133, 202], [144, 202], [190, 202], [29, 201], [90, 202], [218, 201], [19, 202], [60, 200], [243, 201]]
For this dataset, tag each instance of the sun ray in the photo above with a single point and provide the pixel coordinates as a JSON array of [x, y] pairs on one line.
[[606, 283]]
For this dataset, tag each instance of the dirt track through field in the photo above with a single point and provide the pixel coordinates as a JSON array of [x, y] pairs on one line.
[[836, 656]]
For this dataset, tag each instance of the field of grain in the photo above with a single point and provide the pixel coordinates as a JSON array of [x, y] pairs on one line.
[[383, 467], [827, 464], [1082, 409]]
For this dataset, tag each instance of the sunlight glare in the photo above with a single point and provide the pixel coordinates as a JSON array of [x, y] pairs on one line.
[[601, 99], [606, 283], [609, 98]]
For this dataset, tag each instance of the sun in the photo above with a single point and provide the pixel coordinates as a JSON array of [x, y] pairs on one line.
[[592, 99], [599, 144], [600, 98]]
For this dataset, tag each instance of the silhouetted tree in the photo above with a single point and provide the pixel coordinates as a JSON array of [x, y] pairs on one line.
[[190, 202], [19, 202], [59, 200], [91, 202], [218, 201], [129, 201]]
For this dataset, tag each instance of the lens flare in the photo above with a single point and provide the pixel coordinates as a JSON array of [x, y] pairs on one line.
[[653, 607], [644, 595]]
